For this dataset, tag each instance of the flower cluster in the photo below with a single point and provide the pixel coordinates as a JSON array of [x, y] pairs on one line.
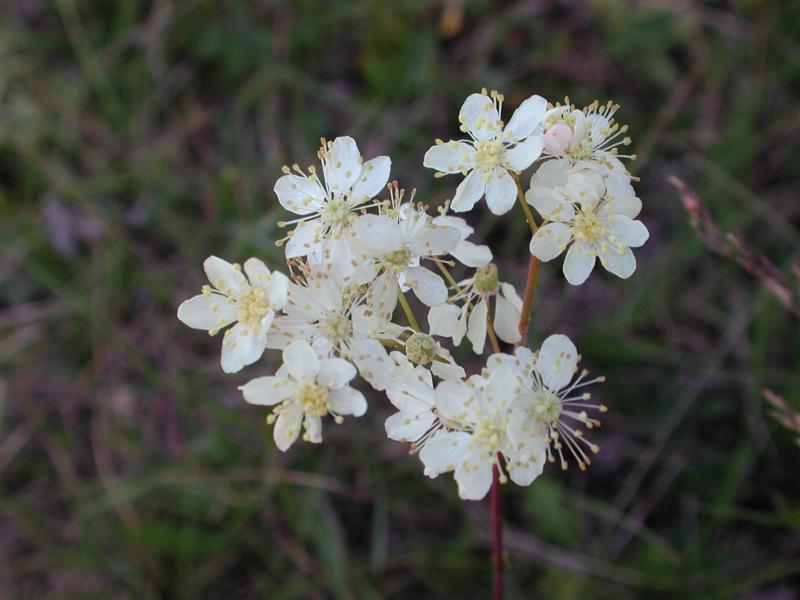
[[360, 246]]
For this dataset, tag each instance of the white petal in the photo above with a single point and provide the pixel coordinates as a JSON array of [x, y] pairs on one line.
[[549, 241], [444, 320], [335, 372], [427, 285], [454, 401], [434, 240], [457, 222], [450, 157], [469, 191], [521, 156], [506, 320], [527, 464], [447, 371], [268, 391], [313, 427], [444, 451], [627, 231], [474, 476], [300, 195], [410, 395], [372, 179], [224, 276], [301, 360], [405, 427], [287, 427], [550, 204], [501, 389], [372, 361], [378, 233], [342, 165], [476, 326], [479, 115], [551, 173], [472, 255], [501, 191], [382, 296], [621, 196], [304, 239], [278, 290], [348, 401], [212, 311], [557, 361], [511, 295], [619, 261], [578, 264], [242, 346], [526, 118]]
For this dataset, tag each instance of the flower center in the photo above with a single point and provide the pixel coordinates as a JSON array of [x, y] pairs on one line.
[[420, 348], [489, 153], [398, 259], [486, 279], [253, 306], [335, 327], [546, 407], [335, 213], [313, 398], [589, 227], [488, 432]]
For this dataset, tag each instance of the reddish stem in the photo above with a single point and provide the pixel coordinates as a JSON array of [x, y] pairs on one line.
[[497, 534]]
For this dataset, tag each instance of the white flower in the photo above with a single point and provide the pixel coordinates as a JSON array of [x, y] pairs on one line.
[[467, 253], [590, 134], [591, 214], [397, 240], [328, 209], [249, 301], [449, 320], [305, 389], [477, 415], [339, 318], [493, 153], [548, 403]]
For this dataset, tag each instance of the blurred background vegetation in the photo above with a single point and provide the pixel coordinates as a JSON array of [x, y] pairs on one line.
[[137, 138]]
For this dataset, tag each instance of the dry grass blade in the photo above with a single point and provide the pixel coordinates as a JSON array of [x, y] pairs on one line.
[[783, 413], [732, 247]]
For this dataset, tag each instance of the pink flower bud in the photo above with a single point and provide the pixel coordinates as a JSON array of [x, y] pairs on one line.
[[557, 138]]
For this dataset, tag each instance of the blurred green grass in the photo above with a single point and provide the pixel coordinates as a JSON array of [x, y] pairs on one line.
[[137, 138]]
